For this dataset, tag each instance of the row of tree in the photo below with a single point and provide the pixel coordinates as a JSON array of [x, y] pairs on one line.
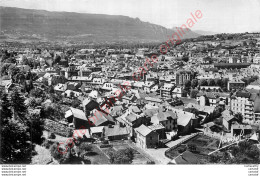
[[19, 129]]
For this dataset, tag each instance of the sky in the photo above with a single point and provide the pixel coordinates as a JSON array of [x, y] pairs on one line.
[[221, 16]]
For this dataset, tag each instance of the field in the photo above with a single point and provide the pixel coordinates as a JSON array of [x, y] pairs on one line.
[[119, 145], [202, 146], [98, 156]]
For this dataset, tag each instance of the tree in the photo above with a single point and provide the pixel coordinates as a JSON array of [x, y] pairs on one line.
[[17, 147], [5, 68], [218, 82], [203, 82], [187, 84], [194, 83], [31, 102], [37, 93], [15, 135], [185, 58], [6, 113], [211, 82], [58, 153], [36, 128], [224, 82], [24, 61], [123, 156], [18, 106], [239, 117], [193, 93], [76, 103], [253, 152], [57, 59], [83, 148], [13, 72]]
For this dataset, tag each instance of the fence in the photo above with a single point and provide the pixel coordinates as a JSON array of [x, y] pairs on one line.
[[179, 143]]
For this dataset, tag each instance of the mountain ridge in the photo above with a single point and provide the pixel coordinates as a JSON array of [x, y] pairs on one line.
[[33, 24]]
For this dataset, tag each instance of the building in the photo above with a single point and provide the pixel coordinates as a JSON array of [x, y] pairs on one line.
[[257, 109], [228, 119], [235, 84], [116, 132], [243, 102], [146, 137], [168, 119], [238, 129], [182, 77], [166, 90], [179, 92]]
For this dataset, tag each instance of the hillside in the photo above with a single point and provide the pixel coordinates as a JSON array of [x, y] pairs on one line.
[[28, 24]]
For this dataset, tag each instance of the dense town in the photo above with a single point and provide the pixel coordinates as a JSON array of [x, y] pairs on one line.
[[197, 103]]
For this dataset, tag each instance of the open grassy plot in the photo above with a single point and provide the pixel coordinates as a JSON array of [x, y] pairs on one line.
[[201, 146]]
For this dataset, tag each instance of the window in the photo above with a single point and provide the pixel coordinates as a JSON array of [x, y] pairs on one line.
[[151, 138]]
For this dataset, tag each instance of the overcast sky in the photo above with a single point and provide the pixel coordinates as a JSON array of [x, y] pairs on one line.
[[218, 15]]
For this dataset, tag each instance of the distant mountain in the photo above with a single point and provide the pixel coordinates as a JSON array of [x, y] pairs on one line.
[[17, 23], [201, 32]]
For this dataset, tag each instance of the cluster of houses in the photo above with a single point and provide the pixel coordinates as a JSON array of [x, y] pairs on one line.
[[144, 113]]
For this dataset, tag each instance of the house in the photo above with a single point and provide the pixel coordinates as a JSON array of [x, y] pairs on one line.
[[97, 132], [73, 86], [179, 92], [204, 112], [154, 101], [228, 119], [167, 118], [116, 132], [212, 127], [240, 129], [77, 117], [186, 157], [186, 121], [208, 98], [134, 109], [100, 118], [60, 87], [235, 84], [146, 138], [89, 104], [95, 95], [210, 88], [108, 86], [160, 129], [243, 102], [148, 86], [166, 90], [131, 120], [116, 111]]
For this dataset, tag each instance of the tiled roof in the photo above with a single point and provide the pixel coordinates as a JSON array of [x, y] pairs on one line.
[[163, 116], [77, 113], [115, 130], [143, 130]]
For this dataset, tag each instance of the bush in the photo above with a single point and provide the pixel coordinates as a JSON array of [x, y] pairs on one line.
[[69, 133], [83, 148], [181, 150], [52, 136], [124, 156], [55, 153], [47, 144], [105, 146]]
